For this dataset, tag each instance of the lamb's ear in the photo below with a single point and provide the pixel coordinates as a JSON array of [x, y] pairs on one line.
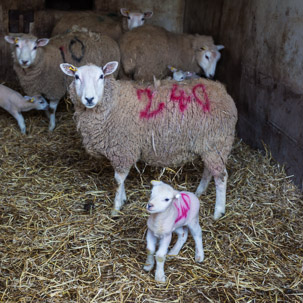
[[124, 12], [148, 14], [42, 42], [68, 69], [219, 47], [155, 182], [110, 67], [29, 99], [11, 39]]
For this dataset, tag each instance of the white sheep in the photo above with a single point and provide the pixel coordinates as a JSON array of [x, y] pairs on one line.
[[146, 51], [15, 103], [164, 126], [180, 75], [36, 61], [171, 211], [134, 18]]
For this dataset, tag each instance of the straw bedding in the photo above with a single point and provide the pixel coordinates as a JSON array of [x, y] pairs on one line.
[[58, 242]]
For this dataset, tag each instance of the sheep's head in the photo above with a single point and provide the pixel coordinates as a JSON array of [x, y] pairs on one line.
[[135, 19], [162, 196], [207, 55], [26, 48], [38, 102], [89, 81]]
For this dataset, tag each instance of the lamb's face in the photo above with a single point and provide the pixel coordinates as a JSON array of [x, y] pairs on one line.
[[135, 19], [207, 58], [38, 102], [162, 196], [26, 49], [89, 81]]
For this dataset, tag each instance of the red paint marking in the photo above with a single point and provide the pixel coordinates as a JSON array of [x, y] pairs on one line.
[[181, 98], [206, 105], [184, 207], [146, 113]]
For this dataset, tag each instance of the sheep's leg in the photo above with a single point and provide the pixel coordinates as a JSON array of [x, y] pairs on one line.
[[51, 113], [18, 116], [221, 183], [120, 197], [151, 248], [206, 177], [182, 233], [160, 257], [196, 232]]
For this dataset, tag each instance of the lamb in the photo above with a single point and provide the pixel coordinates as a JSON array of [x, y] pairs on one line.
[[171, 211], [108, 25], [36, 61], [180, 75], [169, 125], [14, 103], [146, 51]]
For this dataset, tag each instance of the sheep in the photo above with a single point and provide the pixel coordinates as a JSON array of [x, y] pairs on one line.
[[180, 75], [110, 26], [170, 125], [15, 103], [171, 211], [135, 19], [36, 61], [146, 51]]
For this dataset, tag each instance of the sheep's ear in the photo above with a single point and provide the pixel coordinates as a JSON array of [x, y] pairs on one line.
[[11, 39], [42, 42], [29, 99], [110, 67], [68, 69], [155, 182], [124, 12], [219, 47], [148, 14], [171, 68]]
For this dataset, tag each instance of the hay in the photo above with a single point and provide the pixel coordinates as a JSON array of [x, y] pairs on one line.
[[58, 242]]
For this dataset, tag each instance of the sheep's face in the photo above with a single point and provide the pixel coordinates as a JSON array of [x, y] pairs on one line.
[[162, 196], [89, 81], [38, 102], [26, 49], [135, 19], [207, 58]]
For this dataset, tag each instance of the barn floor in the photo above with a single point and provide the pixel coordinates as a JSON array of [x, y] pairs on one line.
[[58, 242]]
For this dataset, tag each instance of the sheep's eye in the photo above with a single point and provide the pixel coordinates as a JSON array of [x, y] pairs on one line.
[[142, 19], [101, 77], [35, 47], [207, 57], [77, 77], [166, 200], [128, 17], [17, 45]]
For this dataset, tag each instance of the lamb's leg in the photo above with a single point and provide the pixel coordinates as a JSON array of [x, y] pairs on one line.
[[182, 233], [151, 248], [160, 257], [206, 177], [221, 183], [120, 197], [51, 113], [18, 116], [196, 232]]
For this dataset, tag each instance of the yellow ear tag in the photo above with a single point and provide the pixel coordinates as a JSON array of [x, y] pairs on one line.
[[72, 68], [16, 40], [32, 100], [203, 48]]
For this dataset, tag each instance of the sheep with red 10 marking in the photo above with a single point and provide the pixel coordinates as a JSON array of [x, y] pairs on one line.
[[167, 125]]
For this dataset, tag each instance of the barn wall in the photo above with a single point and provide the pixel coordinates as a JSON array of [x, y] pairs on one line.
[[262, 67]]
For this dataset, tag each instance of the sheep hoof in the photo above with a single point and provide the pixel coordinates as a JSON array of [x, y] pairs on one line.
[[148, 267], [115, 213], [199, 258], [218, 215], [160, 278], [51, 128]]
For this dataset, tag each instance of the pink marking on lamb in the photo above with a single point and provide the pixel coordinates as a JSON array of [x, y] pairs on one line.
[[205, 105], [184, 207], [146, 113], [181, 98]]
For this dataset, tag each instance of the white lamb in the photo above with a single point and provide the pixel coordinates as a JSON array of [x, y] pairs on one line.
[[15, 103], [180, 75], [171, 211]]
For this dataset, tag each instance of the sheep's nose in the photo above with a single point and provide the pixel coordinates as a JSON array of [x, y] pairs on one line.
[[89, 100], [24, 62], [211, 76], [149, 206]]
